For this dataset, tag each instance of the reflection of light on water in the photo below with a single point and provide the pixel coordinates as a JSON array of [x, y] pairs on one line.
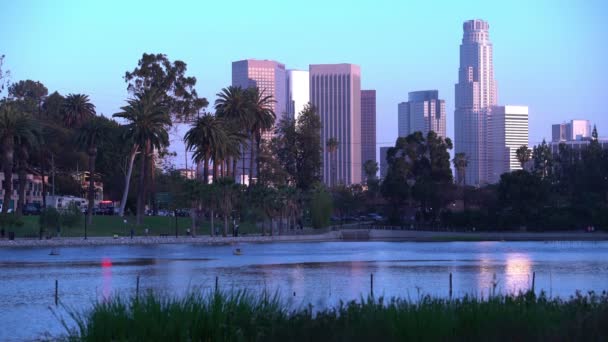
[[356, 273], [106, 271], [485, 275], [518, 271]]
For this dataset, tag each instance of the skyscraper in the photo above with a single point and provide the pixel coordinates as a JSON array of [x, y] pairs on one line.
[[573, 130], [298, 91], [269, 77], [475, 95], [507, 131], [423, 112], [368, 126], [335, 91]]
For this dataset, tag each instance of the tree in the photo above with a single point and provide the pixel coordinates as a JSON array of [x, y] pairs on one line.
[[261, 118], [461, 162], [524, 194], [4, 75], [76, 110], [206, 138], [309, 150], [24, 144], [90, 135], [321, 206], [370, 168], [15, 126], [168, 80], [147, 123], [543, 159], [523, 155], [29, 95], [284, 147], [332, 146], [231, 105]]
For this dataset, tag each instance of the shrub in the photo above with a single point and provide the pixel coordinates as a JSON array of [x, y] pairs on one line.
[[71, 217]]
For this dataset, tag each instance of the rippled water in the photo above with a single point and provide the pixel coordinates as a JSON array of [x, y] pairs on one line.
[[317, 273]]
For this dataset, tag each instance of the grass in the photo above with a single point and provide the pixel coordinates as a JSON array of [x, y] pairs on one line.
[[241, 316], [110, 225]]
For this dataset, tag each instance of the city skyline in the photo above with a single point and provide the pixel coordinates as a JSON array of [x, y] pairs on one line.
[[525, 63]]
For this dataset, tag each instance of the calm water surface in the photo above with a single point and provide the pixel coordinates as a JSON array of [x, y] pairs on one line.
[[316, 273]]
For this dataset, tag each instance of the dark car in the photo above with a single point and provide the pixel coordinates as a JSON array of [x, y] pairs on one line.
[[31, 209]]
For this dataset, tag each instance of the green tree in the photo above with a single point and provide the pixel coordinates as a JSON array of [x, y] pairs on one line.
[[29, 95], [309, 149], [147, 122], [206, 138], [90, 135], [174, 90], [24, 145], [321, 206], [261, 119], [370, 168], [15, 126], [523, 194], [231, 106], [461, 162], [523, 155], [543, 160], [4, 75], [77, 109], [332, 146]]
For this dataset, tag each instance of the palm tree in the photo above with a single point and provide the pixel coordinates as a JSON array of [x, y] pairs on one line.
[[231, 106], [147, 123], [90, 135], [262, 117], [461, 162], [206, 138], [332, 146], [24, 145], [77, 108], [523, 154], [14, 126]]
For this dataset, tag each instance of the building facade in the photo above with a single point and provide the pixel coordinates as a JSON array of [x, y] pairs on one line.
[[33, 189], [298, 91], [335, 91], [573, 130], [507, 131], [424, 112], [368, 126], [475, 94]]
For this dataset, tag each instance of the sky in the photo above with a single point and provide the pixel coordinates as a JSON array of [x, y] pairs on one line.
[[550, 55]]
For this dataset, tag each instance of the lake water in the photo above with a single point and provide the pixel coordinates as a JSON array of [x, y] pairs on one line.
[[316, 273]]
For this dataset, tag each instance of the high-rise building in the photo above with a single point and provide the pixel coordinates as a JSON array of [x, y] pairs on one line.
[[507, 131], [383, 161], [269, 76], [335, 91], [423, 112], [573, 130], [298, 91], [368, 126], [475, 95]]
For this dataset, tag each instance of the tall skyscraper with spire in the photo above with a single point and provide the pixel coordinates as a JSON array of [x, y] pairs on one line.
[[476, 93]]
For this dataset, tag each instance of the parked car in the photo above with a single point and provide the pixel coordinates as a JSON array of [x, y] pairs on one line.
[[31, 209]]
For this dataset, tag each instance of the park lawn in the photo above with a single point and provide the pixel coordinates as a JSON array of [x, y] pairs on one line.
[[110, 225]]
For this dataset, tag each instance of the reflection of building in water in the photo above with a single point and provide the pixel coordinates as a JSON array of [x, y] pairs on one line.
[[518, 271], [357, 276], [485, 275]]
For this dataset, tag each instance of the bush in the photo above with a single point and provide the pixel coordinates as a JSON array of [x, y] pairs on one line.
[[8, 221], [321, 207], [72, 217], [240, 316], [49, 219]]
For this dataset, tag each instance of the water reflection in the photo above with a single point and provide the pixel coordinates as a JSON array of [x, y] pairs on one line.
[[106, 275], [518, 270]]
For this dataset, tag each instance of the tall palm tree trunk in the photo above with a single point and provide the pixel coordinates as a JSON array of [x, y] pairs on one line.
[[251, 160], [141, 189], [229, 166], [215, 170], [234, 167], [258, 150], [42, 173], [7, 167], [225, 225], [206, 170], [212, 223], [125, 193], [92, 155]]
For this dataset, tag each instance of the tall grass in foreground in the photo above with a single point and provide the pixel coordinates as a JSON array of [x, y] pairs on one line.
[[242, 316]]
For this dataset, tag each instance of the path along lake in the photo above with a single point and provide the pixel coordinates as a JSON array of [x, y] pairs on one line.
[[321, 274]]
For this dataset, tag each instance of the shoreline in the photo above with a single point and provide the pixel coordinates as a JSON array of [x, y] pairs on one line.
[[360, 235]]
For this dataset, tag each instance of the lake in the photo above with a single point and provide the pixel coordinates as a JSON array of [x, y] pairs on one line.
[[321, 274]]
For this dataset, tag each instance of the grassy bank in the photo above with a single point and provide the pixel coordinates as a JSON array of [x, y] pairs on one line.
[[246, 317], [110, 225]]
